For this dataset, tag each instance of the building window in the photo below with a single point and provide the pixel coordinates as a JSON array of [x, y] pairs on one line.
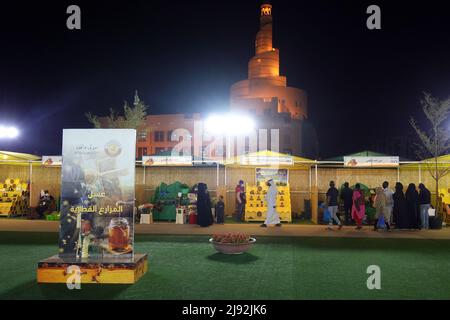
[[139, 153], [142, 135], [144, 151], [159, 136], [169, 135], [159, 150]]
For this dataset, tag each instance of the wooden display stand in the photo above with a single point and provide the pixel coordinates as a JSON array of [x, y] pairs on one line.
[[13, 198], [101, 271], [256, 206]]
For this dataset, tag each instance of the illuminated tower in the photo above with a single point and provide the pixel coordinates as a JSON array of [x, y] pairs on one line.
[[266, 62], [265, 92]]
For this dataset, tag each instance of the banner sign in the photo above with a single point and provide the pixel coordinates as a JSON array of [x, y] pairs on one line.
[[371, 162], [266, 160], [52, 161], [279, 176], [97, 193], [149, 161]]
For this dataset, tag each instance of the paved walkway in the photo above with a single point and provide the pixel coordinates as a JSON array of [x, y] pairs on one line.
[[292, 230]]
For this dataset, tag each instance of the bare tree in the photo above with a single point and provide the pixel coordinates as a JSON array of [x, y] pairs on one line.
[[132, 118], [435, 141]]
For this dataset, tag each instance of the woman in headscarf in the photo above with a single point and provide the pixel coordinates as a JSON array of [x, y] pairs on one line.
[[204, 213], [412, 206], [400, 212], [380, 205], [359, 206]]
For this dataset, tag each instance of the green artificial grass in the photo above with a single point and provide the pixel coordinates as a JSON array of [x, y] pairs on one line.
[[187, 267]]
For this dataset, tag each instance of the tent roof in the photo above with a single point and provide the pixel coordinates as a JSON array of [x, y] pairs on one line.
[[445, 158], [443, 162], [7, 155], [366, 153]]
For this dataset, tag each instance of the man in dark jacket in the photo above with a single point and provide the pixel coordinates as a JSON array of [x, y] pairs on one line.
[[240, 200], [347, 197], [332, 204], [425, 203]]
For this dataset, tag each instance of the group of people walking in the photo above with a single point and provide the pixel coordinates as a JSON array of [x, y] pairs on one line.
[[404, 210]]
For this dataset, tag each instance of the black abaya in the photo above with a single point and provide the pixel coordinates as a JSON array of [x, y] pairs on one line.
[[412, 208], [204, 213], [400, 211]]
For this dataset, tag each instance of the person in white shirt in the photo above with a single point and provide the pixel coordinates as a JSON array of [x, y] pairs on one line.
[[389, 201]]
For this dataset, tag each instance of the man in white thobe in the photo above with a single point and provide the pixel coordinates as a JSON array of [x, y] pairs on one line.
[[273, 218]]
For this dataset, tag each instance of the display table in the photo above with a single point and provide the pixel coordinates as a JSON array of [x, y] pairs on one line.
[[192, 214], [193, 218], [180, 217], [146, 218]]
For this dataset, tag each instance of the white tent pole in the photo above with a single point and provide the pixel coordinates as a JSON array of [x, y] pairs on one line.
[[310, 180], [420, 173], [217, 174], [143, 179], [317, 178], [30, 181]]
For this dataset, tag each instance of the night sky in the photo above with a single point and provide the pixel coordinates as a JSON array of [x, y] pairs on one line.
[[183, 56]]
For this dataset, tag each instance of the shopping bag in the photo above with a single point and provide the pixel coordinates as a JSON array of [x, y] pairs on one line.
[[326, 216], [381, 224], [432, 212]]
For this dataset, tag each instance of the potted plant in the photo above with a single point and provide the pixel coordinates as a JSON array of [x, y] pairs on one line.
[[232, 243]]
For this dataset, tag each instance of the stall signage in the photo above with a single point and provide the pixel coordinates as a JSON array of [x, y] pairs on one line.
[[371, 162], [279, 176], [51, 161], [267, 160], [156, 161]]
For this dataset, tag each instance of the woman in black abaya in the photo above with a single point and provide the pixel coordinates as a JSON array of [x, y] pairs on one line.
[[400, 208], [412, 206], [204, 213]]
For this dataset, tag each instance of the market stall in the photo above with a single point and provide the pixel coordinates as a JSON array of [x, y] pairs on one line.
[[15, 190], [265, 165]]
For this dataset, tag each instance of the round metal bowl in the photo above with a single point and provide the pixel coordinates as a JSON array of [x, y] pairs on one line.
[[232, 248]]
